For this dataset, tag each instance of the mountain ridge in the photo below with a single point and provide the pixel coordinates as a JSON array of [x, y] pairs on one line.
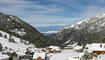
[[83, 32], [14, 25]]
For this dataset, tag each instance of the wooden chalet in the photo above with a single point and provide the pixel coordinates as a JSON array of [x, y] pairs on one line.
[[96, 49], [54, 49], [14, 56]]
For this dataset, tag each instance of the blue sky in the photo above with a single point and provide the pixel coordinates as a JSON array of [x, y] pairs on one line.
[[52, 12]]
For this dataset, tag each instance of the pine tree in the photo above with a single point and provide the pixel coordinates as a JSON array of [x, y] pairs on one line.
[[5, 36], [0, 47], [0, 34]]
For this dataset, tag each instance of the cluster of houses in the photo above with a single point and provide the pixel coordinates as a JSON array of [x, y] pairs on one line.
[[31, 54], [95, 49]]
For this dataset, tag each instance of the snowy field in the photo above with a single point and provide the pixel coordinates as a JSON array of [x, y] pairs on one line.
[[64, 55]]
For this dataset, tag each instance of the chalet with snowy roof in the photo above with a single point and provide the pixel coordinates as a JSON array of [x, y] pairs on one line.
[[54, 49], [43, 50], [39, 55], [73, 46], [96, 48], [78, 47], [14, 56], [69, 47]]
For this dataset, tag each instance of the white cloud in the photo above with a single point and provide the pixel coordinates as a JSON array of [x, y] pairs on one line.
[[42, 15], [52, 20], [29, 11], [21, 6], [93, 11]]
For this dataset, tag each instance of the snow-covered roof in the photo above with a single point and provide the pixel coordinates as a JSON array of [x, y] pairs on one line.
[[96, 47], [39, 54], [2, 56], [55, 48], [78, 47]]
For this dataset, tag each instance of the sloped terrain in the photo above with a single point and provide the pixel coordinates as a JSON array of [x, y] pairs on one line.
[[18, 45], [17, 27], [86, 31]]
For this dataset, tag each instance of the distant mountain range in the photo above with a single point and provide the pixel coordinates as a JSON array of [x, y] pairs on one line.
[[50, 33], [49, 28], [86, 31]]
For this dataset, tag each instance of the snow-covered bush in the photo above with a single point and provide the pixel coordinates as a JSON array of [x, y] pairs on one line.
[[87, 57], [21, 40], [11, 39]]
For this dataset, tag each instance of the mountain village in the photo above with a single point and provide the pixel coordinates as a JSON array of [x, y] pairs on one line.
[[16, 50]]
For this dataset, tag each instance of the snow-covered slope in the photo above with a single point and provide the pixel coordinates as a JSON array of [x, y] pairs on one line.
[[100, 58], [19, 28], [16, 46], [96, 18], [86, 31]]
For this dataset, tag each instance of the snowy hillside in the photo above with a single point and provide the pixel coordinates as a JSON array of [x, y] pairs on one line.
[[16, 46], [80, 24], [15, 26], [86, 31]]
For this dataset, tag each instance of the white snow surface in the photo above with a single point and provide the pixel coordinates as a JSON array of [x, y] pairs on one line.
[[18, 47], [76, 24], [64, 55], [3, 56], [96, 47], [101, 57]]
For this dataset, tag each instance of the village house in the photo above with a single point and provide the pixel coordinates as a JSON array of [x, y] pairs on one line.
[[4, 57], [38, 55], [73, 46], [78, 48], [95, 49], [68, 47], [54, 49], [14, 56], [24, 54], [43, 50]]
